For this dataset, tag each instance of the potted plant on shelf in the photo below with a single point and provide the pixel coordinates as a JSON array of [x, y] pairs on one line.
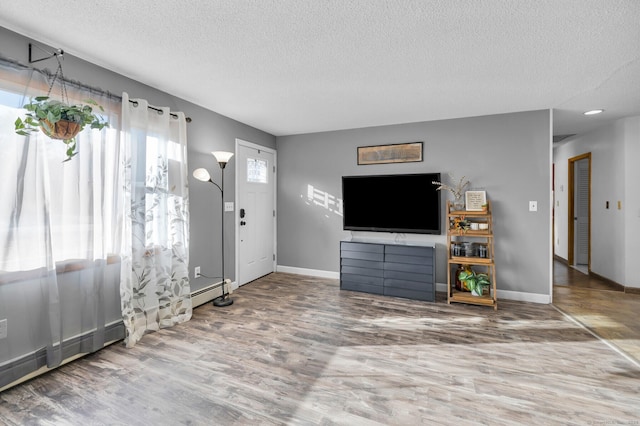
[[60, 120], [457, 191], [474, 282]]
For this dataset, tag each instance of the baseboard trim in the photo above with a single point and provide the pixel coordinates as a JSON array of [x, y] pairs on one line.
[[561, 259], [516, 296], [607, 280], [632, 290], [310, 272], [519, 296], [441, 287]]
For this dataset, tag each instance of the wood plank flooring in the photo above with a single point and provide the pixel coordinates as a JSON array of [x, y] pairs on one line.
[[295, 350], [601, 306]]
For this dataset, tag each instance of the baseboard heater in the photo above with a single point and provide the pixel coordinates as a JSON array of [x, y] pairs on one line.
[[35, 363], [207, 294]]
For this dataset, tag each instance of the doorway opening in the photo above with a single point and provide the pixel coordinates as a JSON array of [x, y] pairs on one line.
[[579, 213]]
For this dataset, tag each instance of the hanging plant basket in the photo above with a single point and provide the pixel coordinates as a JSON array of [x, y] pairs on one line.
[[59, 119], [61, 130]]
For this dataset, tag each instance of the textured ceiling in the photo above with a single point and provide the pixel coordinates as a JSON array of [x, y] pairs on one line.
[[294, 66]]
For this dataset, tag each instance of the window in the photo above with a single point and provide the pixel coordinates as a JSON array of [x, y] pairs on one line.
[[50, 210], [257, 170]]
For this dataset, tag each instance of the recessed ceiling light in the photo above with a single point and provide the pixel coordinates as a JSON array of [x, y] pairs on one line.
[[594, 112]]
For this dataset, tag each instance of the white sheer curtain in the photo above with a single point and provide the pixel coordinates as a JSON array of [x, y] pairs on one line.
[[90, 242], [154, 290], [59, 228]]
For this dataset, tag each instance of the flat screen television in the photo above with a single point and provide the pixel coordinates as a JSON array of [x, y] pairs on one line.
[[407, 203]]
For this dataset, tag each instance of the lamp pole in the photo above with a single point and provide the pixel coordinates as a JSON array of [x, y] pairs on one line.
[[202, 174], [223, 300]]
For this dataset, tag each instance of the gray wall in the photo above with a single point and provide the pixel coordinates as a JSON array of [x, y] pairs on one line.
[[207, 132], [507, 155]]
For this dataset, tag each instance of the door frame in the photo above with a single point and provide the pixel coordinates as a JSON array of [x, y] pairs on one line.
[[571, 208], [245, 143]]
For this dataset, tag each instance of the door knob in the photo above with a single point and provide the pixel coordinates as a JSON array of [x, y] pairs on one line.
[[243, 223]]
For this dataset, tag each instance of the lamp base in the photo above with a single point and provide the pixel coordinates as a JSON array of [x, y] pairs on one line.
[[222, 301]]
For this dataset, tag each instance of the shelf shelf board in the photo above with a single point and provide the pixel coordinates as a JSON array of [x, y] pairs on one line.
[[470, 260], [470, 233], [464, 297], [469, 213]]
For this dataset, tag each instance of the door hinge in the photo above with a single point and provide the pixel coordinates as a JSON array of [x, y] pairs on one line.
[[274, 169], [274, 257], [274, 213]]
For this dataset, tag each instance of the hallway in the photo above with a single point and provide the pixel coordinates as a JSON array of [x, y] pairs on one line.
[[602, 307]]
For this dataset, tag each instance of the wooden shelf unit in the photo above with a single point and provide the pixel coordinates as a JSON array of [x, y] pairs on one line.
[[481, 237]]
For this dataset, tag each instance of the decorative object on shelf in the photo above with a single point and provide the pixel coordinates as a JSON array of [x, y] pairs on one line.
[[475, 200], [460, 224], [460, 286], [395, 153], [476, 283], [222, 157], [457, 191], [59, 119]]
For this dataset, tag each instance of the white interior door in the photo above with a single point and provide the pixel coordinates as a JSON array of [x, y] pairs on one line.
[[255, 211], [581, 220]]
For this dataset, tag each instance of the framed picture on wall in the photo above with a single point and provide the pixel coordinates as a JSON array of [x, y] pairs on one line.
[[475, 201], [396, 153]]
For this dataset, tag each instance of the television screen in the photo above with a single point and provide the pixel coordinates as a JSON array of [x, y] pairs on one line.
[[392, 203]]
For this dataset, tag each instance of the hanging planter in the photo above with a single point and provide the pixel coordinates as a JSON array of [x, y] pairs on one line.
[[59, 119]]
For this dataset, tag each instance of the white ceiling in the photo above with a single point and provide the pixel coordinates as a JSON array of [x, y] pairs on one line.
[[299, 66]]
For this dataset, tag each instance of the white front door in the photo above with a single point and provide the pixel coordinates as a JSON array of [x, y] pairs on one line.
[[255, 211]]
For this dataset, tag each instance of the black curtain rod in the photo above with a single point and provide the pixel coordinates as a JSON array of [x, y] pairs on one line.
[[77, 84], [160, 111]]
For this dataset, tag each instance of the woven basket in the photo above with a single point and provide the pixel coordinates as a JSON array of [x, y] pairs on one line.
[[62, 130]]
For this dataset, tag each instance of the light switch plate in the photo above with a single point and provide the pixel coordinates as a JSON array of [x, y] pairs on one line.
[[533, 206], [228, 206]]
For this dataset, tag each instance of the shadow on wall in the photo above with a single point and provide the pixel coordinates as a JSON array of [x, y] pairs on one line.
[[320, 198]]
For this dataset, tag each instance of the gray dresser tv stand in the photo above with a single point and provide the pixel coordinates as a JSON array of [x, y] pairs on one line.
[[388, 268]]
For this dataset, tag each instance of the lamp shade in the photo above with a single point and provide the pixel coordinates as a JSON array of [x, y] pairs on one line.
[[202, 174], [222, 156]]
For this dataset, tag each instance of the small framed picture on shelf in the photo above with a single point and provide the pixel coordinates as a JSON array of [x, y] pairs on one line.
[[475, 200]]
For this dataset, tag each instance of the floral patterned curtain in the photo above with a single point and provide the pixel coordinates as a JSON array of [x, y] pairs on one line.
[[154, 289]]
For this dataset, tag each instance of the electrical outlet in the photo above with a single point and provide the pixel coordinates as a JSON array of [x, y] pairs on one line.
[[3, 329], [196, 272], [533, 206]]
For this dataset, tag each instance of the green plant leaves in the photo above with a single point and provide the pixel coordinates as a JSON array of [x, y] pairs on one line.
[[473, 281], [44, 112]]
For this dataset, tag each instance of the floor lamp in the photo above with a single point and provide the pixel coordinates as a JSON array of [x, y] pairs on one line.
[[222, 157]]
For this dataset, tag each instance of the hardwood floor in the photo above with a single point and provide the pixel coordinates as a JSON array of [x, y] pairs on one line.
[[295, 350], [602, 307]]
